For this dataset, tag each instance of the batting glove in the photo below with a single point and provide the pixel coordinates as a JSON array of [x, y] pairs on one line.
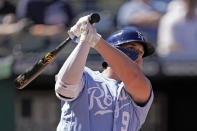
[[85, 32]]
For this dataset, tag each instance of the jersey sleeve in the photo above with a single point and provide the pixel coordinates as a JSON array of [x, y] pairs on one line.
[[68, 92], [142, 111]]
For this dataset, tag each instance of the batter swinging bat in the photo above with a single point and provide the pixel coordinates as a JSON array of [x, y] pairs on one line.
[[24, 79]]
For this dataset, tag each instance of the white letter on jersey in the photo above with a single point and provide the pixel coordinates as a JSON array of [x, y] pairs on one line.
[[97, 98]]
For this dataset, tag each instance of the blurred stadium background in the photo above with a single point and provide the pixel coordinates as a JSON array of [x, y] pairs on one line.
[[36, 108]]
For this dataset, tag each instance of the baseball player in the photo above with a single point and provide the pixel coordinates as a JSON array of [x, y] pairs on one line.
[[117, 99]]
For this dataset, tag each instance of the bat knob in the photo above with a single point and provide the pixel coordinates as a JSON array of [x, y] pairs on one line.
[[94, 18]]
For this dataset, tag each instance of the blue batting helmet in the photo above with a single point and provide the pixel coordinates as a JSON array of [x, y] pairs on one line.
[[130, 35], [127, 35]]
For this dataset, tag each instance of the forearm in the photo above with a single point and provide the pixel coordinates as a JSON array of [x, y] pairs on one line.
[[127, 70], [117, 60], [69, 82], [72, 70]]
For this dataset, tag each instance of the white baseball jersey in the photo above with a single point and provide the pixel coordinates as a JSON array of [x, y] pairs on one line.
[[102, 105]]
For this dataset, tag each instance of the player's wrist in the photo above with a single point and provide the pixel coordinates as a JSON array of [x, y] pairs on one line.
[[94, 40]]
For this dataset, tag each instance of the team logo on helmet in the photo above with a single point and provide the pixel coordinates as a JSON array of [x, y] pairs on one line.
[[140, 35]]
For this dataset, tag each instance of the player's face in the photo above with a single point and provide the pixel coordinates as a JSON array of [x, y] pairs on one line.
[[137, 47]]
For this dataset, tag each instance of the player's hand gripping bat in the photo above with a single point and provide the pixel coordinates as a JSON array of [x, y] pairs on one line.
[[25, 78]]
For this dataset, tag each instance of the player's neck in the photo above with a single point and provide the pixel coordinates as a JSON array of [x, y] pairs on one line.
[[109, 73]]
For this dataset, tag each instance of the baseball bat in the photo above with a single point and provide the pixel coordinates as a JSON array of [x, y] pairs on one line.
[[25, 78]]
